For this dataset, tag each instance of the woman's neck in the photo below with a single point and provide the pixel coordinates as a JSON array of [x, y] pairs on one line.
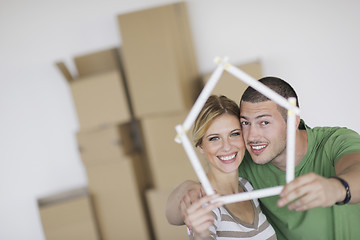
[[224, 183]]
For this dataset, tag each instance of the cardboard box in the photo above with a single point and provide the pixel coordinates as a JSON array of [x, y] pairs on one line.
[[116, 187], [98, 62], [111, 142], [231, 86], [168, 161], [68, 215], [100, 100], [163, 230], [159, 59], [99, 94]]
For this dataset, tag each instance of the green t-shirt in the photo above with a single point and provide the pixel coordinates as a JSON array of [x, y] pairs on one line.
[[325, 146]]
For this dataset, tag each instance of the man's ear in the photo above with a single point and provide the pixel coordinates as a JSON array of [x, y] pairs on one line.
[[201, 150], [297, 121]]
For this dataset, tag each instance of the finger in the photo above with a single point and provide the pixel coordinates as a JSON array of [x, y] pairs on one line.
[[198, 220], [194, 195], [183, 210], [201, 203], [202, 210], [197, 206], [202, 191], [190, 197], [315, 197], [200, 223], [306, 202], [293, 195], [198, 212], [307, 196], [203, 233], [186, 200], [186, 208], [297, 189], [203, 230], [297, 182]]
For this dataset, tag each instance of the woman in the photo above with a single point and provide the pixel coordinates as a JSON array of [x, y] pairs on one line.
[[217, 135]]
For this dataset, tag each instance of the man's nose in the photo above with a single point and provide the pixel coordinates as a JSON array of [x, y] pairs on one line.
[[253, 133]]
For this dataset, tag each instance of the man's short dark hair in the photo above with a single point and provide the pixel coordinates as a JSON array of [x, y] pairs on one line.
[[276, 84]]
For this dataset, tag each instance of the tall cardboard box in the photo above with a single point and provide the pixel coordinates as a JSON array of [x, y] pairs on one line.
[[163, 230], [231, 86], [99, 92], [117, 186], [159, 59], [68, 215], [168, 161]]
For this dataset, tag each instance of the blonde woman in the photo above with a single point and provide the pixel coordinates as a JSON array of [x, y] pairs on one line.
[[217, 134]]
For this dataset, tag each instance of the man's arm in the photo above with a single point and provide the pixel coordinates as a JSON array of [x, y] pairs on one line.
[[348, 168], [314, 191], [181, 198]]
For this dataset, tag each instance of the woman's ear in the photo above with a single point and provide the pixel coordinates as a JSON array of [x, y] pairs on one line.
[[201, 150]]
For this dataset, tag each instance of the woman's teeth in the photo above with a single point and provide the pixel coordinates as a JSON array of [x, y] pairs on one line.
[[228, 157]]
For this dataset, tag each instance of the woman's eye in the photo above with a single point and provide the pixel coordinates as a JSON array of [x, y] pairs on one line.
[[235, 134], [213, 139]]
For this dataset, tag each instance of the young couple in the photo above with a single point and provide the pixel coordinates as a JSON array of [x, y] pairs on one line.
[[318, 204]]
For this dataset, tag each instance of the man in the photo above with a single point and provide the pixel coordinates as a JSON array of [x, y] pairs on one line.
[[313, 206]]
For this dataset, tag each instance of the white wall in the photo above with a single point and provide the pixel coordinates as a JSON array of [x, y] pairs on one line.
[[312, 44]]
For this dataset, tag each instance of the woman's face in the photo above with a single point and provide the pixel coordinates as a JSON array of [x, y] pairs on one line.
[[223, 143]]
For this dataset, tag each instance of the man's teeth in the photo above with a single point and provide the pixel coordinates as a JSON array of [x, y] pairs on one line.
[[228, 157], [258, 147]]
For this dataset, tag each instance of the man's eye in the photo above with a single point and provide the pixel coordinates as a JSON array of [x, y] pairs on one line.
[[244, 123], [264, 123]]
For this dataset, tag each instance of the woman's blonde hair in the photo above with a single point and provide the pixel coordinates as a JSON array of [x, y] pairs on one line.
[[214, 107]]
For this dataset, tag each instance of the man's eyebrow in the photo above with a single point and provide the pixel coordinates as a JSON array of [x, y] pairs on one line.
[[257, 117]]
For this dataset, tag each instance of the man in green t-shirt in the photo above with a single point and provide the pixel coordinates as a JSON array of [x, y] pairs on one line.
[[318, 204]]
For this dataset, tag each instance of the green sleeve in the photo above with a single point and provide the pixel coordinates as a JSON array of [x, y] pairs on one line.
[[343, 141]]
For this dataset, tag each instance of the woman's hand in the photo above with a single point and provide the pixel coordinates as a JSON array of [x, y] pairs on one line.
[[199, 217]]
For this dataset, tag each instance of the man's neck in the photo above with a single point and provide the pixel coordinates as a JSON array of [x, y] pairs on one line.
[[301, 146], [301, 143]]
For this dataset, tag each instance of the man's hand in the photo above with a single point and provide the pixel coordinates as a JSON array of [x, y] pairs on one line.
[[311, 191]]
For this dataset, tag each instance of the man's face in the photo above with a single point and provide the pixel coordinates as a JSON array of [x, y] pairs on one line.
[[264, 131]]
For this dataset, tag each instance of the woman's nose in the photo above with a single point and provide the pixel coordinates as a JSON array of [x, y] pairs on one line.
[[226, 144]]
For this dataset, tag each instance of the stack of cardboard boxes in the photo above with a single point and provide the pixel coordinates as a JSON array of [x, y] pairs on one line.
[[128, 105], [107, 145]]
